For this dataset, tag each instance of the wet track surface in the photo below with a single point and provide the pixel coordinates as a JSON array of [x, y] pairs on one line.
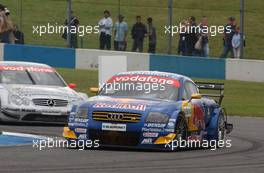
[[245, 156]]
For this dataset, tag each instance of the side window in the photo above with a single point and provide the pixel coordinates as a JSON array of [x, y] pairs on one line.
[[189, 89]]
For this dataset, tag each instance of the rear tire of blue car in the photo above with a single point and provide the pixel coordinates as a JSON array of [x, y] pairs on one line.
[[221, 127]]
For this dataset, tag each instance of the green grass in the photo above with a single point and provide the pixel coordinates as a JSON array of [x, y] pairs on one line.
[[241, 98], [39, 12]]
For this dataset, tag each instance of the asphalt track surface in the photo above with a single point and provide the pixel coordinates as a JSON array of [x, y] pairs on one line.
[[245, 156]]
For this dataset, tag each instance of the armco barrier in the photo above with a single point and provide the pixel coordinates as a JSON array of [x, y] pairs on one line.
[[56, 57], [190, 66], [245, 70]]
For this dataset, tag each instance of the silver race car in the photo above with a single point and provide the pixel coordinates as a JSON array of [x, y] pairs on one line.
[[31, 92]]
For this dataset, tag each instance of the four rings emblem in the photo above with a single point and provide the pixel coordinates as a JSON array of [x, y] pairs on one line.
[[115, 116]]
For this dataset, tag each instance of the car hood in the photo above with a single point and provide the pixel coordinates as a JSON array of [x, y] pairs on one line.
[[37, 90], [133, 105]]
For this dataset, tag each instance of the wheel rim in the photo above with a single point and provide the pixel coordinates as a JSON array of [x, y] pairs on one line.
[[221, 128]]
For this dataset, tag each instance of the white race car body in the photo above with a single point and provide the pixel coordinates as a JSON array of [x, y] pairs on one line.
[[33, 102]]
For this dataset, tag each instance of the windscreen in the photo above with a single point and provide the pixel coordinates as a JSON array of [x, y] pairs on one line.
[[30, 76], [141, 86]]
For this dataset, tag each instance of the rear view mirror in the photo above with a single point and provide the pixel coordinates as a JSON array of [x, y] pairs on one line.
[[195, 96], [94, 90], [72, 85]]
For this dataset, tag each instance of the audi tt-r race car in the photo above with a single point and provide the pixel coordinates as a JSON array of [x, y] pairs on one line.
[[32, 92], [147, 109]]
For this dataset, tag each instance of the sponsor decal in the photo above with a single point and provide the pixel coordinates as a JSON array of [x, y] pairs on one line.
[[139, 107], [76, 124], [30, 69], [82, 136], [114, 127], [145, 79], [80, 130], [80, 120], [155, 125], [150, 135], [50, 112], [144, 129], [157, 130], [171, 125], [172, 120], [147, 141]]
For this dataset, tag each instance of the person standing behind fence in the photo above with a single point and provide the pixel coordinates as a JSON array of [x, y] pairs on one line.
[[138, 33], [236, 43], [74, 23], [105, 28], [182, 39], [152, 36], [19, 36], [228, 35], [204, 52], [191, 36], [6, 29], [120, 32]]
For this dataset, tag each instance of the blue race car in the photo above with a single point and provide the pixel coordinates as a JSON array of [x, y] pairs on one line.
[[149, 109]]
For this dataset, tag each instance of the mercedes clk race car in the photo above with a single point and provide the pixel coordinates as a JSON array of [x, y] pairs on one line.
[[148, 109], [32, 92]]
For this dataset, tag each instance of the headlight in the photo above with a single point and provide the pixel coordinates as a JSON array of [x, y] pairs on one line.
[[157, 117], [17, 100], [82, 113]]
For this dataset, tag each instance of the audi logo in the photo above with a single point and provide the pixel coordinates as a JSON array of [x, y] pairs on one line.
[[115, 116]]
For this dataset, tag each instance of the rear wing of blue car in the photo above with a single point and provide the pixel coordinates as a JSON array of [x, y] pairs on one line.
[[214, 90]]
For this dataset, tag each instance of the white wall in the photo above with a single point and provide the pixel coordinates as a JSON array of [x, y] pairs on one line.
[[1, 51], [245, 70], [88, 59], [106, 71]]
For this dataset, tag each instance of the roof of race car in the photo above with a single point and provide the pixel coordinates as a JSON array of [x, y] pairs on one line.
[[21, 63], [154, 73]]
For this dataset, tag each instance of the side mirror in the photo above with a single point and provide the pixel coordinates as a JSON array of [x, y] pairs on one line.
[[72, 85], [195, 96], [94, 90]]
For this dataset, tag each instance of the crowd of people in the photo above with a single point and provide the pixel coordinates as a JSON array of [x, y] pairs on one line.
[[191, 43], [9, 32], [139, 32]]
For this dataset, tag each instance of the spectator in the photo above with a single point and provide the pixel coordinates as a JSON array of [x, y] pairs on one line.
[[191, 36], [4, 8], [6, 29], [74, 23], [105, 28], [120, 32], [236, 43], [19, 36], [228, 35], [138, 33], [204, 52], [182, 39], [152, 36]]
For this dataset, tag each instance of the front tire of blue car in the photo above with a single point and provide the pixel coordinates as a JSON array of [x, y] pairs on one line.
[[181, 129]]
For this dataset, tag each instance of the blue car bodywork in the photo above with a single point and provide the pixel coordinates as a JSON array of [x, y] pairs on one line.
[[125, 121]]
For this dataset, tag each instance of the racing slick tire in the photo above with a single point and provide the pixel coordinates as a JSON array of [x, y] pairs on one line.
[[221, 127], [181, 130]]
